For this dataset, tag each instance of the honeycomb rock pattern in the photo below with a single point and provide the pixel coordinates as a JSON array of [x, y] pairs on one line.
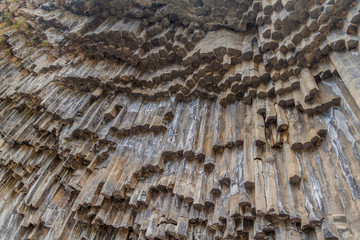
[[227, 119]]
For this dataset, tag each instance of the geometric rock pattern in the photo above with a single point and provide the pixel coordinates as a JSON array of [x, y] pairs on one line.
[[197, 119]]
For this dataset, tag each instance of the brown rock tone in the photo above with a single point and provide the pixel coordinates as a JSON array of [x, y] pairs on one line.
[[186, 119]]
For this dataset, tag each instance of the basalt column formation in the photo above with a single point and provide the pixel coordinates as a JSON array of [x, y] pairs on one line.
[[185, 119]]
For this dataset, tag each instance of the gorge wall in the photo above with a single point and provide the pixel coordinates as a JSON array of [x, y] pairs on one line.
[[186, 119]]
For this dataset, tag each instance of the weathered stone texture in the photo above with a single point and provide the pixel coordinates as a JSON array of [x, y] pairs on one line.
[[161, 119]]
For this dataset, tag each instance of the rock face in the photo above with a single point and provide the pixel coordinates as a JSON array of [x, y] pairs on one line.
[[186, 119]]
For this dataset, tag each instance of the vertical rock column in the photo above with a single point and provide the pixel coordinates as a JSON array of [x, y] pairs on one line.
[[347, 64]]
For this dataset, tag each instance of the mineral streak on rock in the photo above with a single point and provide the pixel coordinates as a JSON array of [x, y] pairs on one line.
[[197, 119]]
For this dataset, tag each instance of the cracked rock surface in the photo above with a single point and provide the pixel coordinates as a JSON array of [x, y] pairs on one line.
[[159, 119]]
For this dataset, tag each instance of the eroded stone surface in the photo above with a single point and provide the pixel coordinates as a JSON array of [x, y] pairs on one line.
[[179, 119]]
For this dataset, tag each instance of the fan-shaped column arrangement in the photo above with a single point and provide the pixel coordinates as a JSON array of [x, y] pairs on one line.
[[179, 119]]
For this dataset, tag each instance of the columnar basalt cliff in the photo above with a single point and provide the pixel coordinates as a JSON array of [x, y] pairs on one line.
[[186, 119]]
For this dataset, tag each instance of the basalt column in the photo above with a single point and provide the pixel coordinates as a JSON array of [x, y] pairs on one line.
[[179, 119]]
